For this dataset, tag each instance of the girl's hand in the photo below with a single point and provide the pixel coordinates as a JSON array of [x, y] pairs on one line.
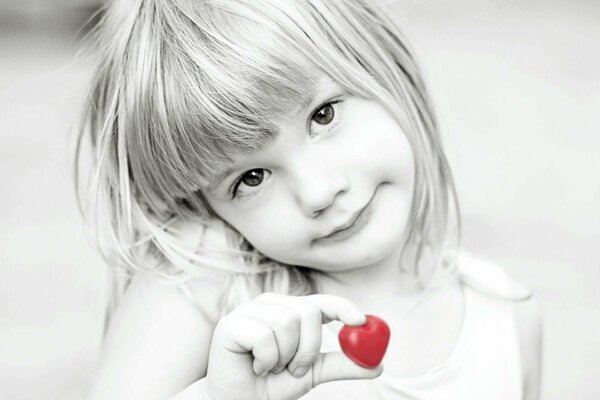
[[268, 348]]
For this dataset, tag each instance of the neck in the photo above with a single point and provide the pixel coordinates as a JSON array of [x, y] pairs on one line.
[[374, 286]]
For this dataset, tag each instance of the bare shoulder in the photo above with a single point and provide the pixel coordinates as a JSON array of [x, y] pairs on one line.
[[157, 343], [528, 314]]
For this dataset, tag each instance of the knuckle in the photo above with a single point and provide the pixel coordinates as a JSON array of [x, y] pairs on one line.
[[308, 307], [271, 358], [267, 296], [241, 309], [344, 302], [264, 338], [337, 300], [303, 360], [312, 313], [306, 358], [289, 321], [223, 324], [227, 328]]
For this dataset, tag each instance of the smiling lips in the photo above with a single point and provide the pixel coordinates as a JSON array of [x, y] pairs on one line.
[[355, 224], [349, 224]]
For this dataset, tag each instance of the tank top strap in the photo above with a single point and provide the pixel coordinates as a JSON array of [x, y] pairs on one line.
[[485, 361], [489, 278], [492, 343]]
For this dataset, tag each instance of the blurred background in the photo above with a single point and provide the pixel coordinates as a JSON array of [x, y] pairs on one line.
[[517, 90]]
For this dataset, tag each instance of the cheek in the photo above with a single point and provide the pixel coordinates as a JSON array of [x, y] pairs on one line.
[[380, 143], [396, 157], [394, 161], [268, 230], [276, 242]]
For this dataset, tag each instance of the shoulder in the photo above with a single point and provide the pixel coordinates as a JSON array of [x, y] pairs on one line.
[[157, 343], [492, 280], [156, 297], [489, 278]]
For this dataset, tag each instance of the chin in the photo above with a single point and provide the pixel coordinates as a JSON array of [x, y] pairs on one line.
[[360, 255]]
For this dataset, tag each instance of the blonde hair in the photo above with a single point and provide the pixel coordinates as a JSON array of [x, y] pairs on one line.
[[180, 86]]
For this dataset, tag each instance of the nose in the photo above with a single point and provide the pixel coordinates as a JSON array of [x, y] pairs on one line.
[[317, 187]]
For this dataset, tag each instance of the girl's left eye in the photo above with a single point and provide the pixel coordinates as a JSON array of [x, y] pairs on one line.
[[326, 117]]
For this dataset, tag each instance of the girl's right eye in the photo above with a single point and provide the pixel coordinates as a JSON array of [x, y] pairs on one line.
[[249, 179]]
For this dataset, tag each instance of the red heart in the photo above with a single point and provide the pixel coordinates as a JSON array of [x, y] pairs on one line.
[[365, 344]]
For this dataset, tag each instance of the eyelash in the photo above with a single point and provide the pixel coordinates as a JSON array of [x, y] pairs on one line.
[[331, 126], [238, 181]]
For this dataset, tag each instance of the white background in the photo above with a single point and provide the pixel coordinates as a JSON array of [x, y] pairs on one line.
[[517, 89]]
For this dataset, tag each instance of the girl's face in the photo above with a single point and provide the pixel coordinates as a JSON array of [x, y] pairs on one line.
[[332, 191]]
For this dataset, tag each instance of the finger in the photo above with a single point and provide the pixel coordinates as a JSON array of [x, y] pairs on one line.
[[337, 308], [310, 333], [310, 340], [315, 310], [285, 323], [336, 366], [328, 367], [245, 334]]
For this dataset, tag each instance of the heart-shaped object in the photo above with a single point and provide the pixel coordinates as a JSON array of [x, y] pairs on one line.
[[365, 344]]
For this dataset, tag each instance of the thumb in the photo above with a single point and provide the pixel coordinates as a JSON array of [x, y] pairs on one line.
[[336, 366], [327, 367]]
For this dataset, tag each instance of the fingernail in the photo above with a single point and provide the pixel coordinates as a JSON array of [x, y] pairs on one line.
[[360, 318], [299, 372]]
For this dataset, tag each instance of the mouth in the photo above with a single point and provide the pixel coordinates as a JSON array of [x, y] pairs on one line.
[[358, 220]]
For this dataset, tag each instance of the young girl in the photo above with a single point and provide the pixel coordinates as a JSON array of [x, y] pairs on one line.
[[262, 168]]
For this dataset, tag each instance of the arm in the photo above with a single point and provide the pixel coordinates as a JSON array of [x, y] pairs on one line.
[[529, 322], [157, 343]]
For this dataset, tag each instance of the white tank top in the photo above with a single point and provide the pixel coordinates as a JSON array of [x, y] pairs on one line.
[[484, 364]]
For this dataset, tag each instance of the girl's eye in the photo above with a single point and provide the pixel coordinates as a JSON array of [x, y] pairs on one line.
[[324, 115], [254, 177], [250, 179], [326, 118]]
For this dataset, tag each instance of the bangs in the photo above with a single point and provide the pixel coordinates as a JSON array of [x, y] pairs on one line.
[[183, 87], [218, 80], [210, 77]]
